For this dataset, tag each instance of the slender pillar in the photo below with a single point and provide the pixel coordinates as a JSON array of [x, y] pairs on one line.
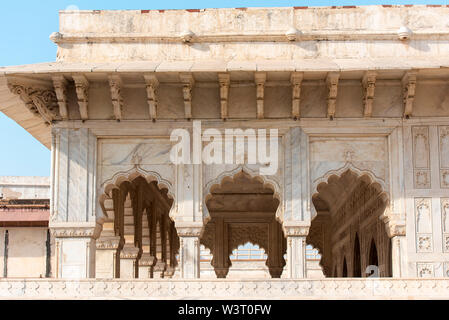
[[221, 252], [396, 231], [275, 261], [296, 251], [189, 249], [75, 250]]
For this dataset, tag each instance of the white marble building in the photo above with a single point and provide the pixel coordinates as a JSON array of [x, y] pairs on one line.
[[360, 99]]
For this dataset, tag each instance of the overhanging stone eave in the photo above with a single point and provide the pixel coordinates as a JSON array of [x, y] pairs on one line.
[[219, 65], [13, 107]]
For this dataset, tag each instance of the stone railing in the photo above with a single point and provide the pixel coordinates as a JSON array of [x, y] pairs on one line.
[[225, 289]]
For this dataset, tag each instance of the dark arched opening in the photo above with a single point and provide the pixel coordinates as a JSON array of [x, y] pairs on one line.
[[345, 269]]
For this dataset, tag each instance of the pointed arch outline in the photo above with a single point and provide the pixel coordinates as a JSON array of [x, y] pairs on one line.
[[230, 175], [128, 176], [371, 178]]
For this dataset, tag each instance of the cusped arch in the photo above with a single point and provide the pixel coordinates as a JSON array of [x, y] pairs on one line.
[[368, 177], [229, 176], [128, 176]]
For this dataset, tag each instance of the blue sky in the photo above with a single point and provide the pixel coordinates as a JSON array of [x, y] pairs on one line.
[[24, 30]]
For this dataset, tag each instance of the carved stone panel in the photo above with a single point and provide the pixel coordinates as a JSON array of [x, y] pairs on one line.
[[445, 223], [443, 134], [423, 220], [421, 157], [425, 270]]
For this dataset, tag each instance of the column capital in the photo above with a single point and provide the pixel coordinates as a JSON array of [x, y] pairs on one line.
[[189, 229], [75, 230], [296, 229], [108, 243], [395, 225]]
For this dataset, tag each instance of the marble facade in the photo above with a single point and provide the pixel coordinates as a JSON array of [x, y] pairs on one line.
[[363, 135]]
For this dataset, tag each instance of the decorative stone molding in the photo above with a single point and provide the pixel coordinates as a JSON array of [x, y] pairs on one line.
[[187, 86], [60, 85], [42, 102], [115, 84], [296, 230], [369, 85], [129, 253], [408, 92], [296, 81], [259, 79], [188, 230], [364, 288], [152, 84], [108, 243], [75, 231], [82, 92], [224, 80]]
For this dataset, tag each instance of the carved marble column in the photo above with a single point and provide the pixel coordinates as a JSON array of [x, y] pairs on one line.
[[107, 262], [75, 250], [396, 231], [189, 249], [296, 250]]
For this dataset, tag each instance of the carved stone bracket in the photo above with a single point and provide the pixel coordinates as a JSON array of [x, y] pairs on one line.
[[332, 86], [296, 81], [42, 102], [369, 85], [60, 85], [187, 86], [151, 85], [408, 90], [82, 92], [129, 252], [115, 84], [224, 79], [260, 78]]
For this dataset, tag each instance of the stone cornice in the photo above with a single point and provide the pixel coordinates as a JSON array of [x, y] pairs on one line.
[[280, 36]]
